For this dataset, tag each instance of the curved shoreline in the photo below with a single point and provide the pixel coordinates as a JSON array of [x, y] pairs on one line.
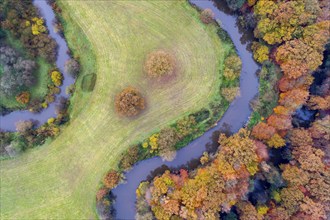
[[7, 122], [236, 116]]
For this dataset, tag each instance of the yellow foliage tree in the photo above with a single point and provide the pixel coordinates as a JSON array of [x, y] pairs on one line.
[[37, 26], [276, 141], [260, 52], [57, 78]]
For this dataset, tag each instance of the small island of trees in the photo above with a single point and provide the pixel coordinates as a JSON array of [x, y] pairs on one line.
[[160, 63], [129, 102]]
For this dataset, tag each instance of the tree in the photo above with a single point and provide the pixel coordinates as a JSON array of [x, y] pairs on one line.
[[293, 99], [296, 58], [235, 4], [57, 78], [233, 67], [111, 179], [186, 126], [159, 63], [291, 198], [166, 141], [280, 122], [276, 141], [230, 93], [24, 126], [247, 211], [280, 21], [294, 175], [18, 72], [300, 137], [262, 131], [319, 102], [207, 16], [129, 102], [23, 97], [72, 67], [260, 52]]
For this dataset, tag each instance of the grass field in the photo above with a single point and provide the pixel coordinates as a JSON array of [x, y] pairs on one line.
[[59, 180]]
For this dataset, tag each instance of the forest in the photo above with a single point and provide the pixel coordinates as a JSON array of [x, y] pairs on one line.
[[279, 168]]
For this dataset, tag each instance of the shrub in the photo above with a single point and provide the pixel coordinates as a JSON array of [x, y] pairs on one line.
[[37, 26], [235, 4], [111, 179], [129, 158], [260, 52], [24, 126], [129, 102], [57, 78], [159, 63], [88, 82], [23, 97], [230, 93], [207, 16], [166, 141], [72, 67]]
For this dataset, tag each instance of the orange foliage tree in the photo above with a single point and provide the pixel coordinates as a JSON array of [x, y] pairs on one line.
[[111, 179], [129, 102], [207, 16], [23, 97], [159, 63], [263, 131], [280, 122]]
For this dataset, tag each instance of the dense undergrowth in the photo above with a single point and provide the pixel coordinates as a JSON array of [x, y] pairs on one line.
[[28, 56]]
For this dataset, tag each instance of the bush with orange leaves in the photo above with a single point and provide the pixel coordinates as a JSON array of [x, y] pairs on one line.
[[262, 131], [207, 16], [319, 102], [280, 122], [293, 99], [300, 137], [23, 97], [111, 179], [160, 63], [129, 102]]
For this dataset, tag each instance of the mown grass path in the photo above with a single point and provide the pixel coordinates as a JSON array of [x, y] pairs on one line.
[[59, 180]]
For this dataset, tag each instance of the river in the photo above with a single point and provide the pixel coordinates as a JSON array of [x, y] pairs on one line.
[[7, 122], [236, 116]]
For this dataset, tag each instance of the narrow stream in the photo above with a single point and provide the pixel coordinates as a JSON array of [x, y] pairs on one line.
[[7, 122], [236, 116]]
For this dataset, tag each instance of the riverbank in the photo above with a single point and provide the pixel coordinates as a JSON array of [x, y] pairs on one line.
[[235, 117]]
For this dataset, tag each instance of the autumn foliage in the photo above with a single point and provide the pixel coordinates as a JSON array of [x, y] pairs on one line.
[[57, 78], [213, 188], [293, 35], [207, 16], [23, 97], [262, 131], [159, 63], [111, 179], [129, 102]]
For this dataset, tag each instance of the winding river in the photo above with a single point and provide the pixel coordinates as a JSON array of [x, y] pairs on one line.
[[236, 116], [7, 122]]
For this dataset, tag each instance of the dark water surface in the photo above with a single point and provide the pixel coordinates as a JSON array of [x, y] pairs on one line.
[[7, 122], [236, 116]]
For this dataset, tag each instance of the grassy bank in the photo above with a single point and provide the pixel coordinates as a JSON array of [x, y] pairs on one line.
[[59, 180]]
